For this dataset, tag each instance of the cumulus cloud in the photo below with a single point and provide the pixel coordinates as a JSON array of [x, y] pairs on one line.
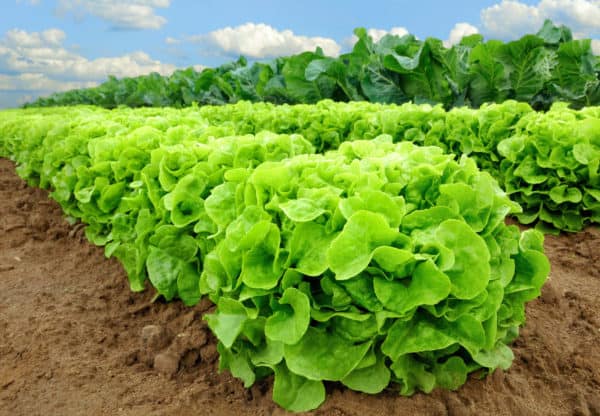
[[259, 40], [459, 31], [583, 14], [38, 63], [377, 34], [511, 19], [172, 41], [132, 14], [44, 53], [39, 82]]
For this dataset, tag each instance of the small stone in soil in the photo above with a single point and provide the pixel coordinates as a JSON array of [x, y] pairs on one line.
[[153, 336], [209, 353], [166, 363]]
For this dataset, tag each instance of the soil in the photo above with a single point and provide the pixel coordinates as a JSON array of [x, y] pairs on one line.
[[75, 341]]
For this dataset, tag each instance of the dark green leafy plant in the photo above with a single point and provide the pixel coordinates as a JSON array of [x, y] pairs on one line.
[[538, 69]]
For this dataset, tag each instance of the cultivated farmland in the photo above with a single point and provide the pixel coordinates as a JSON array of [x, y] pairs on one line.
[[343, 257]]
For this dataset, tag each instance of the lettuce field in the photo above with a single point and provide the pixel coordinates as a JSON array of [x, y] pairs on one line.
[[406, 229]]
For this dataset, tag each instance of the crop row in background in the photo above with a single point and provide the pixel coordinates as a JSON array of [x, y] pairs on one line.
[[538, 69], [548, 162]]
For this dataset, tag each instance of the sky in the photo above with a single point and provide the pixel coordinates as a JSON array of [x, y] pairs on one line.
[[57, 45]]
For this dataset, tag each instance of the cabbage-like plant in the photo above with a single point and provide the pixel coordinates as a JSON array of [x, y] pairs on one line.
[[378, 263]]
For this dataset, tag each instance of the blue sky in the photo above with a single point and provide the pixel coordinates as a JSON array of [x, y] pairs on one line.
[[55, 45]]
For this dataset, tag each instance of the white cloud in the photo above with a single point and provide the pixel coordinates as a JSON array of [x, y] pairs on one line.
[[459, 31], [37, 63], [44, 53], [50, 37], [512, 19], [582, 14], [172, 41], [377, 34], [132, 14], [258, 40], [39, 82], [596, 46]]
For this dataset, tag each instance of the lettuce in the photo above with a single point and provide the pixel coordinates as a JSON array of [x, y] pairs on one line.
[[419, 295], [550, 167], [549, 170], [375, 263]]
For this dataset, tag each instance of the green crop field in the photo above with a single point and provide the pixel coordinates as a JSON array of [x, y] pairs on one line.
[[347, 216]]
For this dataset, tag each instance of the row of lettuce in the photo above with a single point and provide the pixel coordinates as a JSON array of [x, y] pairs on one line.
[[377, 264], [546, 162], [537, 69]]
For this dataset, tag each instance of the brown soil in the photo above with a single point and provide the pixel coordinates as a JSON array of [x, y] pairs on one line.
[[75, 341]]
